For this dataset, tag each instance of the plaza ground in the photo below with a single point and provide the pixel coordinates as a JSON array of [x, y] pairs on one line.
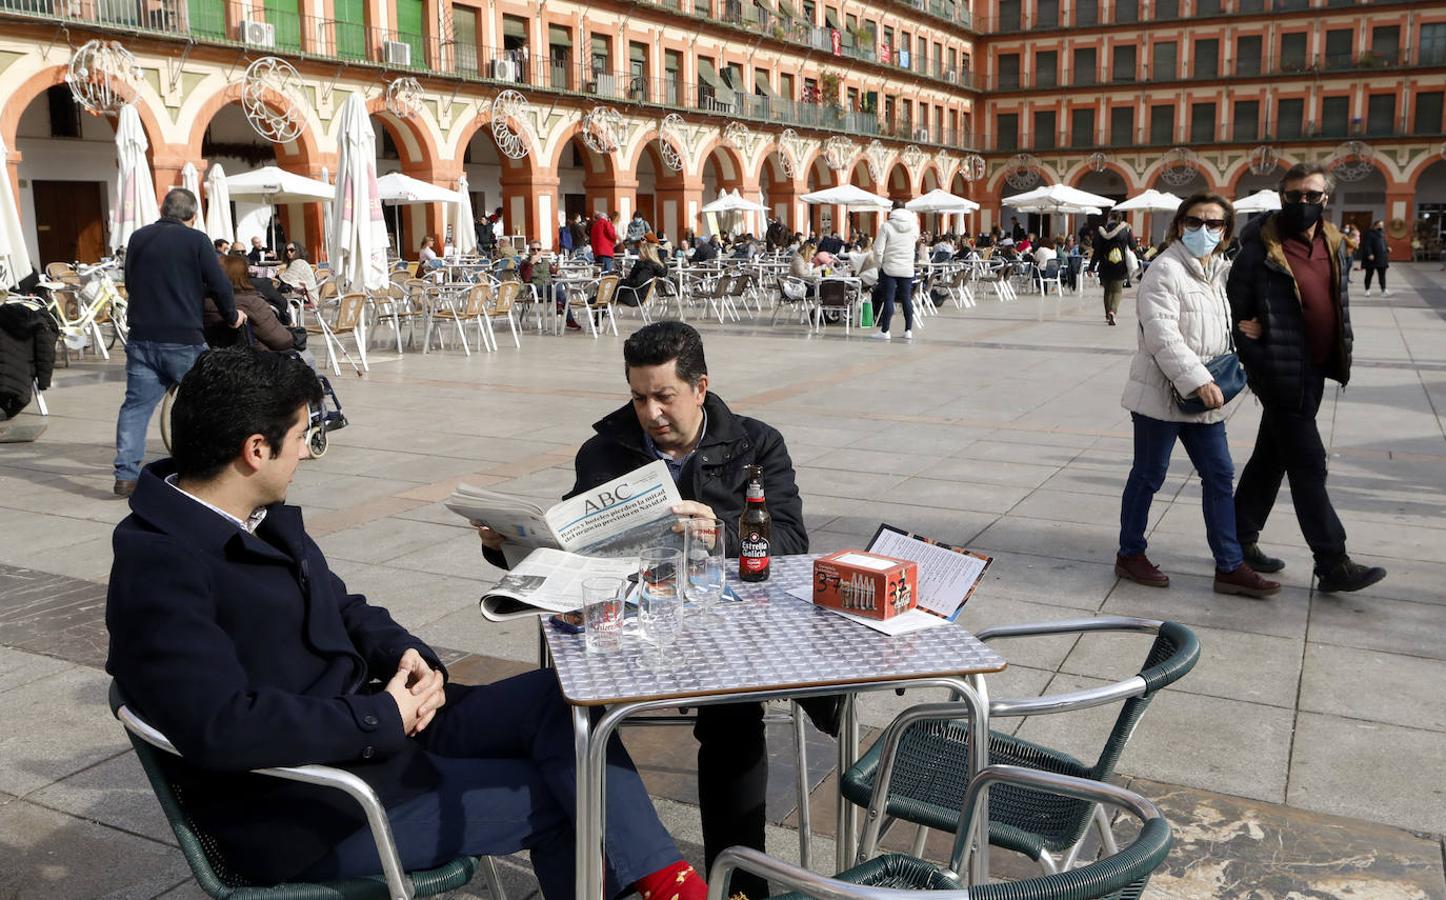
[[1301, 758]]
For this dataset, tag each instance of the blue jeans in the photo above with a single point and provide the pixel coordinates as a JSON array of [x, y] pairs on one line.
[[504, 756], [604, 263], [1210, 453], [151, 368], [891, 286]]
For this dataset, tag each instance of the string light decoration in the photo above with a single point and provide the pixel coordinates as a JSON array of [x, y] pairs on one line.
[[791, 154], [1263, 160], [737, 136], [1099, 161], [404, 97], [1022, 171], [838, 151], [876, 155], [97, 70], [1179, 167], [509, 122], [974, 168], [274, 76]]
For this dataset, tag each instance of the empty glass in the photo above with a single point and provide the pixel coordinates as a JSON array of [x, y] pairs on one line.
[[602, 614], [704, 548], [660, 604]]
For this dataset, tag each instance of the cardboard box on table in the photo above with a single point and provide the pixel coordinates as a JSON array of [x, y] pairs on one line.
[[865, 584]]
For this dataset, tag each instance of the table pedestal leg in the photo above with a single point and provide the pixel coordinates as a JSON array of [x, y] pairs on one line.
[[589, 854], [848, 751]]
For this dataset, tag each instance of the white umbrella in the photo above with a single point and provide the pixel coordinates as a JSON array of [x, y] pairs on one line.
[[135, 203], [218, 206], [14, 258], [359, 241], [1055, 197], [941, 201], [1151, 201], [278, 186], [849, 195], [1260, 201], [733, 202], [464, 235], [191, 181], [399, 188], [326, 225], [1065, 209]]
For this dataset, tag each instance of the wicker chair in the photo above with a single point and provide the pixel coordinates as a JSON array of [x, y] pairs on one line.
[[923, 750], [1121, 875], [215, 877]]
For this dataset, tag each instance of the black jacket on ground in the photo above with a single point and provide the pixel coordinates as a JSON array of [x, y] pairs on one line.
[[27, 353], [247, 652], [1262, 287], [715, 475], [1375, 252], [170, 268]]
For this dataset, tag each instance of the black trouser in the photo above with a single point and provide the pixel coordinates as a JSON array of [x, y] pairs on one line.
[[1289, 445], [1380, 273], [733, 779]]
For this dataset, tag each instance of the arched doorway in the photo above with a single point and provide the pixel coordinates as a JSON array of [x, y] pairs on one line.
[[495, 181], [862, 223], [934, 223], [722, 171], [776, 191], [1430, 218], [1360, 203], [961, 187], [820, 218]]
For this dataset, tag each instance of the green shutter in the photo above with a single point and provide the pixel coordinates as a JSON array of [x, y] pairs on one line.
[[207, 18], [409, 29], [286, 17], [351, 28]]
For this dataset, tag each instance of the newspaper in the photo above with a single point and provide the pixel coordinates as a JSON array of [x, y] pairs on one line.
[[547, 581], [612, 515]]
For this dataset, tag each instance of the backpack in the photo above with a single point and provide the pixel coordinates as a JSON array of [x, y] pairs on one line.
[[1115, 256]]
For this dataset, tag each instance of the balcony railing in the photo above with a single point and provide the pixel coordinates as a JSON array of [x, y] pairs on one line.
[[1155, 11], [1243, 133]]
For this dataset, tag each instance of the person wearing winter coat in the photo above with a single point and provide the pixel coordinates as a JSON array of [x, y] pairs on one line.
[[895, 250], [604, 241], [1111, 260], [637, 228], [1184, 315], [1376, 256], [578, 229], [269, 331], [27, 354]]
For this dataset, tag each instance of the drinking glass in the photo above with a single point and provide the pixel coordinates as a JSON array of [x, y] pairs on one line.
[[704, 547], [660, 604], [602, 614]]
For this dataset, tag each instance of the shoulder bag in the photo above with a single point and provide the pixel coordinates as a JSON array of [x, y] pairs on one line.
[[1227, 373]]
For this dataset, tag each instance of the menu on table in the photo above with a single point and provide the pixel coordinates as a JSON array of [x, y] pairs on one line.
[[948, 574]]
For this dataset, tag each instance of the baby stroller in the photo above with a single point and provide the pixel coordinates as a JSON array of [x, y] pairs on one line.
[[326, 416]]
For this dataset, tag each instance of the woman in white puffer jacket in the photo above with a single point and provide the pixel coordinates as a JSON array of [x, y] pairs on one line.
[[1184, 321]]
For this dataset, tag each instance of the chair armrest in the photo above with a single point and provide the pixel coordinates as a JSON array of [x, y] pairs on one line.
[[810, 884], [399, 885], [1161, 670], [1072, 626]]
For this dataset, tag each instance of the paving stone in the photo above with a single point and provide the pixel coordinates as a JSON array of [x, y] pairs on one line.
[[1366, 770], [60, 725], [18, 668], [114, 793], [1375, 623], [1380, 687], [1192, 600]]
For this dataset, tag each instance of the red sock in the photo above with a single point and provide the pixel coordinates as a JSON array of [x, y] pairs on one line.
[[676, 882]]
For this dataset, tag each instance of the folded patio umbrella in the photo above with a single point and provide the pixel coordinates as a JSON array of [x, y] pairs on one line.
[[360, 237], [191, 181], [14, 258], [464, 235], [218, 206], [135, 203]]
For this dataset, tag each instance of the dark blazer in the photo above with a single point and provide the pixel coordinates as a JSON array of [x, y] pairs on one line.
[[1261, 286], [715, 474], [247, 652]]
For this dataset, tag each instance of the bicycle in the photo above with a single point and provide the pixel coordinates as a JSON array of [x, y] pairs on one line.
[[80, 313]]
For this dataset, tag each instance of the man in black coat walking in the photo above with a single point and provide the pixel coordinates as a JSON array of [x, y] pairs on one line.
[[708, 449], [1289, 297], [170, 268]]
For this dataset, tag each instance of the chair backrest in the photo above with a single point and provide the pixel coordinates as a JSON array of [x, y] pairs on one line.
[[506, 295], [349, 311], [833, 294], [478, 297], [607, 288], [57, 270], [326, 291], [1051, 269]]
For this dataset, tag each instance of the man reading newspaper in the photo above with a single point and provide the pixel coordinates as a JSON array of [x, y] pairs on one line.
[[707, 448]]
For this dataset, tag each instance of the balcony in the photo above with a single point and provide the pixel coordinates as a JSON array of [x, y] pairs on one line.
[[1155, 11]]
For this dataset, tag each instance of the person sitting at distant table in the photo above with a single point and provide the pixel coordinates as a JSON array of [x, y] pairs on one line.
[[427, 256], [298, 274]]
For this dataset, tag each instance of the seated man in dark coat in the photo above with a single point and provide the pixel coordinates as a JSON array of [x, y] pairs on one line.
[[708, 449], [229, 633]]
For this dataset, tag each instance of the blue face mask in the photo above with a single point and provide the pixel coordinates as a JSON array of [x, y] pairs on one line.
[[1201, 242]]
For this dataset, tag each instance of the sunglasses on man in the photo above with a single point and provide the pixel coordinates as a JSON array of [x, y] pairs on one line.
[[1306, 196], [1193, 222]]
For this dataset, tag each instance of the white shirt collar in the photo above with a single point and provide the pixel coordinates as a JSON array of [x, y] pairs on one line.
[[249, 526]]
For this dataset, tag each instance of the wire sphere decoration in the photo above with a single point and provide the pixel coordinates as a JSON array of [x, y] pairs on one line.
[[737, 136], [274, 75], [876, 155], [1352, 161], [1022, 171], [790, 152], [1263, 160], [1099, 161], [600, 128], [670, 141], [914, 158], [974, 168], [944, 161], [1179, 169], [838, 151], [509, 121], [404, 97], [97, 69]]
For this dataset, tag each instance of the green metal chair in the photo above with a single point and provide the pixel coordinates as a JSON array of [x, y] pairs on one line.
[[216, 878], [923, 753], [1122, 875]]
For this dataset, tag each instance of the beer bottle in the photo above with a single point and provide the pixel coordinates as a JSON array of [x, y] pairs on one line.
[[754, 531]]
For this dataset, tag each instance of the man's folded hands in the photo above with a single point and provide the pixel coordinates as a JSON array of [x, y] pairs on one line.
[[417, 690]]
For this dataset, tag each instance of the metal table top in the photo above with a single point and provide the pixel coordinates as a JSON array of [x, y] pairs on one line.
[[770, 641]]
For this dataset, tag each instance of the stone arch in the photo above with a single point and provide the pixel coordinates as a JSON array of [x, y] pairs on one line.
[[899, 182], [995, 184], [1213, 179], [1079, 172], [521, 181], [302, 154], [779, 192], [731, 169], [417, 143], [1420, 167]]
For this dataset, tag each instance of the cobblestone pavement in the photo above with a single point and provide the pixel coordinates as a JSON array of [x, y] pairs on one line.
[[1302, 758]]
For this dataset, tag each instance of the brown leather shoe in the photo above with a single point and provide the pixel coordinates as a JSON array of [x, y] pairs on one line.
[[1140, 570], [124, 488], [1245, 582]]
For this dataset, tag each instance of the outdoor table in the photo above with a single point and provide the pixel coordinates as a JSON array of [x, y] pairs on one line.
[[769, 646]]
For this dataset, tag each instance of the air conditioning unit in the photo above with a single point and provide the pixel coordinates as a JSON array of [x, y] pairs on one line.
[[258, 34], [397, 53], [921, 134]]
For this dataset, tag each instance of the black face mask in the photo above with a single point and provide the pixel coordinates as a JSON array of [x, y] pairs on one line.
[[1300, 217]]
